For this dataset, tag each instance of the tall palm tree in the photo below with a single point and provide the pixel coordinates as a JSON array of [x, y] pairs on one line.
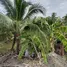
[[51, 19], [16, 11]]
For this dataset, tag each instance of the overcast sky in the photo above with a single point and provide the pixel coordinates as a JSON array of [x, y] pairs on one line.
[[58, 6]]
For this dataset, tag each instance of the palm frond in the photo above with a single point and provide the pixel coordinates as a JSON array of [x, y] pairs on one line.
[[35, 8], [8, 6], [43, 38], [23, 8], [24, 47], [20, 6], [38, 32], [17, 5]]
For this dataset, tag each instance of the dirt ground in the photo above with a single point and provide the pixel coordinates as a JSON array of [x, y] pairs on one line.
[[11, 60], [8, 59]]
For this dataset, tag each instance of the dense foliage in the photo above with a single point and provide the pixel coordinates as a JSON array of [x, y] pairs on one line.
[[16, 11], [36, 35]]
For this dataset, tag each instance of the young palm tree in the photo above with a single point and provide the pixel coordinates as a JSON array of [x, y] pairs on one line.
[[35, 37], [16, 11]]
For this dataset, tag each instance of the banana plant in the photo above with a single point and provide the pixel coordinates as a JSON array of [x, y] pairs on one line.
[[59, 32]]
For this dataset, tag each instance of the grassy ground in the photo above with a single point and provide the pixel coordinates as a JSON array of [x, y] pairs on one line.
[[4, 47], [13, 61]]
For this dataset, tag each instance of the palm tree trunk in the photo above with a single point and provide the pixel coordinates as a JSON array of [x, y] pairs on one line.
[[14, 40], [18, 44]]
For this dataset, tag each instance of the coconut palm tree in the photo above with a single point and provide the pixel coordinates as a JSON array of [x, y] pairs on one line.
[[51, 19], [16, 12]]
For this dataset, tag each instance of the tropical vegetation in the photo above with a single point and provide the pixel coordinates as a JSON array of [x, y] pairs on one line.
[[36, 35]]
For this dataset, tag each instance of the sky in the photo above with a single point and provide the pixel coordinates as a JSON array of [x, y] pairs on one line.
[[58, 6]]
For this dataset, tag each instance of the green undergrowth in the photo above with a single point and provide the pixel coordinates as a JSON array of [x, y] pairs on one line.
[[5, 47]]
